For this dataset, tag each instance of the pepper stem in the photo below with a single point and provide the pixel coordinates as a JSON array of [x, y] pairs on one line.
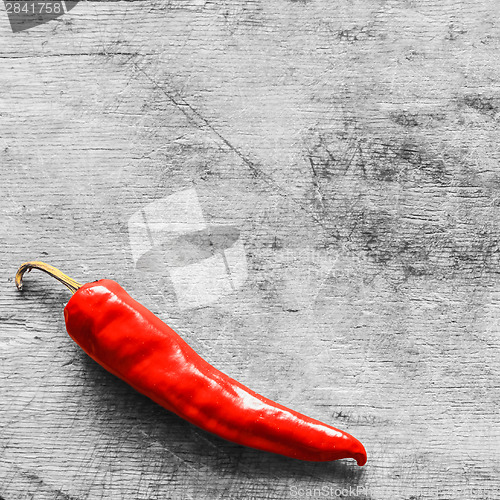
[[72, 285]]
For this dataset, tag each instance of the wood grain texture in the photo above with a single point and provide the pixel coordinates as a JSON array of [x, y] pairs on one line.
[[354, 144]]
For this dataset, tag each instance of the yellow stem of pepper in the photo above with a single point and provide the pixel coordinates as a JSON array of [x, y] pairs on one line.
[[72, 285]]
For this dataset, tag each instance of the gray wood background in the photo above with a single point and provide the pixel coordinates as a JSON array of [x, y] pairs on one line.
[[352, 148]]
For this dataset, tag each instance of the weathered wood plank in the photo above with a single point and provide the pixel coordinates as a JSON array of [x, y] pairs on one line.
[[354, 148]]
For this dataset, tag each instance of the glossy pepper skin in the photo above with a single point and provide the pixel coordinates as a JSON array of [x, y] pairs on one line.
[[132, 343]]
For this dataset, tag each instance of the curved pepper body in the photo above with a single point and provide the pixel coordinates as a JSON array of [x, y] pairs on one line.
[[131, 342]]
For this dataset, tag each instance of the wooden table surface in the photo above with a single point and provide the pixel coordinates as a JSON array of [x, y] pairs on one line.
[[343, 158]]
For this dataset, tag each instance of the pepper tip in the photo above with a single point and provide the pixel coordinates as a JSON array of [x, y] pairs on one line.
[[359, 453]]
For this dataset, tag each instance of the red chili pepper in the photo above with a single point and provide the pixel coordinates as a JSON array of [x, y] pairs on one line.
[[129, 341]]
